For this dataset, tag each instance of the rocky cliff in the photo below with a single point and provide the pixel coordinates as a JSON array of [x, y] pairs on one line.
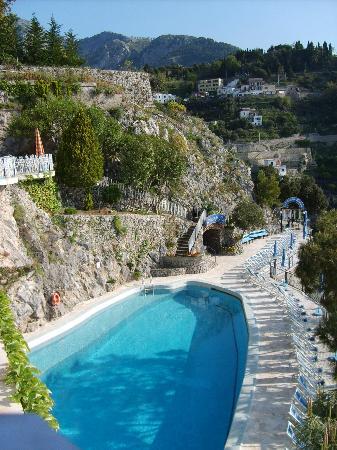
[[81, 256]]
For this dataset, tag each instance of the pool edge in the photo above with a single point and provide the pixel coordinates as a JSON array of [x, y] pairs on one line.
[[243, 406]]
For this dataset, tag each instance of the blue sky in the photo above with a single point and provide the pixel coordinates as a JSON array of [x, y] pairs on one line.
[[246, 23]]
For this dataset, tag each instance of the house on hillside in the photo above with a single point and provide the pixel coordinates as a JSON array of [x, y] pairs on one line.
[[277, 164], [252, 116], [210, 86], [163, 97]]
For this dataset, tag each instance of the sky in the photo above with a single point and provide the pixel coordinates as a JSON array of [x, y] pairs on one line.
[[245, 23]]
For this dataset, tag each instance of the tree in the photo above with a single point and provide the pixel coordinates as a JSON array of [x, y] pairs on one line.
[[35, 43], [55, 49], [317, 271], [304, 187], [149, 162], [247, 215], [267, 188], [71, 50], [9, 38], [79, 160]]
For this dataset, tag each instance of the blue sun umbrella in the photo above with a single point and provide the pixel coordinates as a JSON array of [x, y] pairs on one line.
[[283, 262], [275, 249]]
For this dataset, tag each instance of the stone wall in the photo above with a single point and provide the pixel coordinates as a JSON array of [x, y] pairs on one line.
[[81, 256], [136, 85], [285, 149]]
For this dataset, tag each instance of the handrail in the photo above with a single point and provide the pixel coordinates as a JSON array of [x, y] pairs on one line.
[[196, 230]]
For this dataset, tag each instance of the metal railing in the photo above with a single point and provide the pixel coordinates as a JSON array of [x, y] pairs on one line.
[[11, 166], [196, 230]]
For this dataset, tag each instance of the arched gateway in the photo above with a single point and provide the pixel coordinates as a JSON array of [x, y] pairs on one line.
[[213, 232], [293, 210]]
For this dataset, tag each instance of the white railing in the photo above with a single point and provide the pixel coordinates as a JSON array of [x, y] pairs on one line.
[[11, 166], [142, 199], [196, 230]]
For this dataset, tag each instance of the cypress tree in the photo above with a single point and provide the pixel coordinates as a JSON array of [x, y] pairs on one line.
[[34, 43], [55, 49], [71, 50], [79, 157]]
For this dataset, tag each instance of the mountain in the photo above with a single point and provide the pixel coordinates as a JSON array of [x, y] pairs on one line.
[[111, 50]]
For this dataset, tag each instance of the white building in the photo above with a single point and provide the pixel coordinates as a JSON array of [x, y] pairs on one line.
[[277, 164], [251, 115], [163, 97], [211, 85]]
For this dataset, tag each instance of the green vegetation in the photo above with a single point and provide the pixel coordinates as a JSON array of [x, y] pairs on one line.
[[325, 172], [290, 62], [319, 428], [267, 187], [318, 113], [278, 117], [33, 395], [111, 194], [317, 272], [151, 163], [120, 229], [70, 210], [89, 201], [27, 93], [247, 215], [79, 157], [44, 193], [304, 187], [35, 45]]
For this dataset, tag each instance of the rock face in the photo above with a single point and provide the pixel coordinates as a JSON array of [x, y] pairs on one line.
[[111, 51], [82, 257], [136, 85]]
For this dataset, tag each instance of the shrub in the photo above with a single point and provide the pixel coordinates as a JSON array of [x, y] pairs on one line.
[[30, 391], [70, 210], [88, 202], [44, 193], [111, 194], [137, 274], [119, 227], [247, 215], [176, 107]]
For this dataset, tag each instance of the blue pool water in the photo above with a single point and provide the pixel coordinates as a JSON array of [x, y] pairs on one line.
[[155, 372]]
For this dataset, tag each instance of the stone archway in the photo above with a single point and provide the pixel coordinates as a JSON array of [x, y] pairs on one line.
[[212, 238]]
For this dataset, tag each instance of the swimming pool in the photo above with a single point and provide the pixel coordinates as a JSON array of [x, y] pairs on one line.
[[154, 372]]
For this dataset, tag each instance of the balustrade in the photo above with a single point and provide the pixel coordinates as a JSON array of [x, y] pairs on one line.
[[13, 167]]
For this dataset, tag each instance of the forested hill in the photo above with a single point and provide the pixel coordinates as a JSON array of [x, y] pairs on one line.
[[114, 51]]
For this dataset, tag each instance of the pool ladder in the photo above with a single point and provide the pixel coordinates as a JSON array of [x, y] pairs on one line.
[[148, 288]]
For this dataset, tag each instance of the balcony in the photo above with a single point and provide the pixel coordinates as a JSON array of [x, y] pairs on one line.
[[14, 169]]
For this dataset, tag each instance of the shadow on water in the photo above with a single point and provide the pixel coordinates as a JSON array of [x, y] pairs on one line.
[[165, 380]]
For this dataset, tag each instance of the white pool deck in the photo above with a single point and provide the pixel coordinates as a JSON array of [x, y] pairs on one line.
[[262, 412]]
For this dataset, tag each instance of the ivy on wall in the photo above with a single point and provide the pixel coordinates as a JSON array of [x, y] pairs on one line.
[[44, 193], [30, 391]]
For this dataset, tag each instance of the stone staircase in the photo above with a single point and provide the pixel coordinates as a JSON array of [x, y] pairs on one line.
[[182, 244]]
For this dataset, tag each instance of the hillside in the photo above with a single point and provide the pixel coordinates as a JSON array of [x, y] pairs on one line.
[[111, 50]]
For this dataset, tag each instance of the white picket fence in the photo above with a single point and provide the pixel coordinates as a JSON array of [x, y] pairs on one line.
[[144, 200]]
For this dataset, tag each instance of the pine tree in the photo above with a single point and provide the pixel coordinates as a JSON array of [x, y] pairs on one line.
[[79, 157], [9, 38], [71, 50], [55, 49], [35, 43]]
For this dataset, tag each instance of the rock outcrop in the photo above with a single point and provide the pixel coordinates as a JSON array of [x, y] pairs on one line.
[[81, 256]]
